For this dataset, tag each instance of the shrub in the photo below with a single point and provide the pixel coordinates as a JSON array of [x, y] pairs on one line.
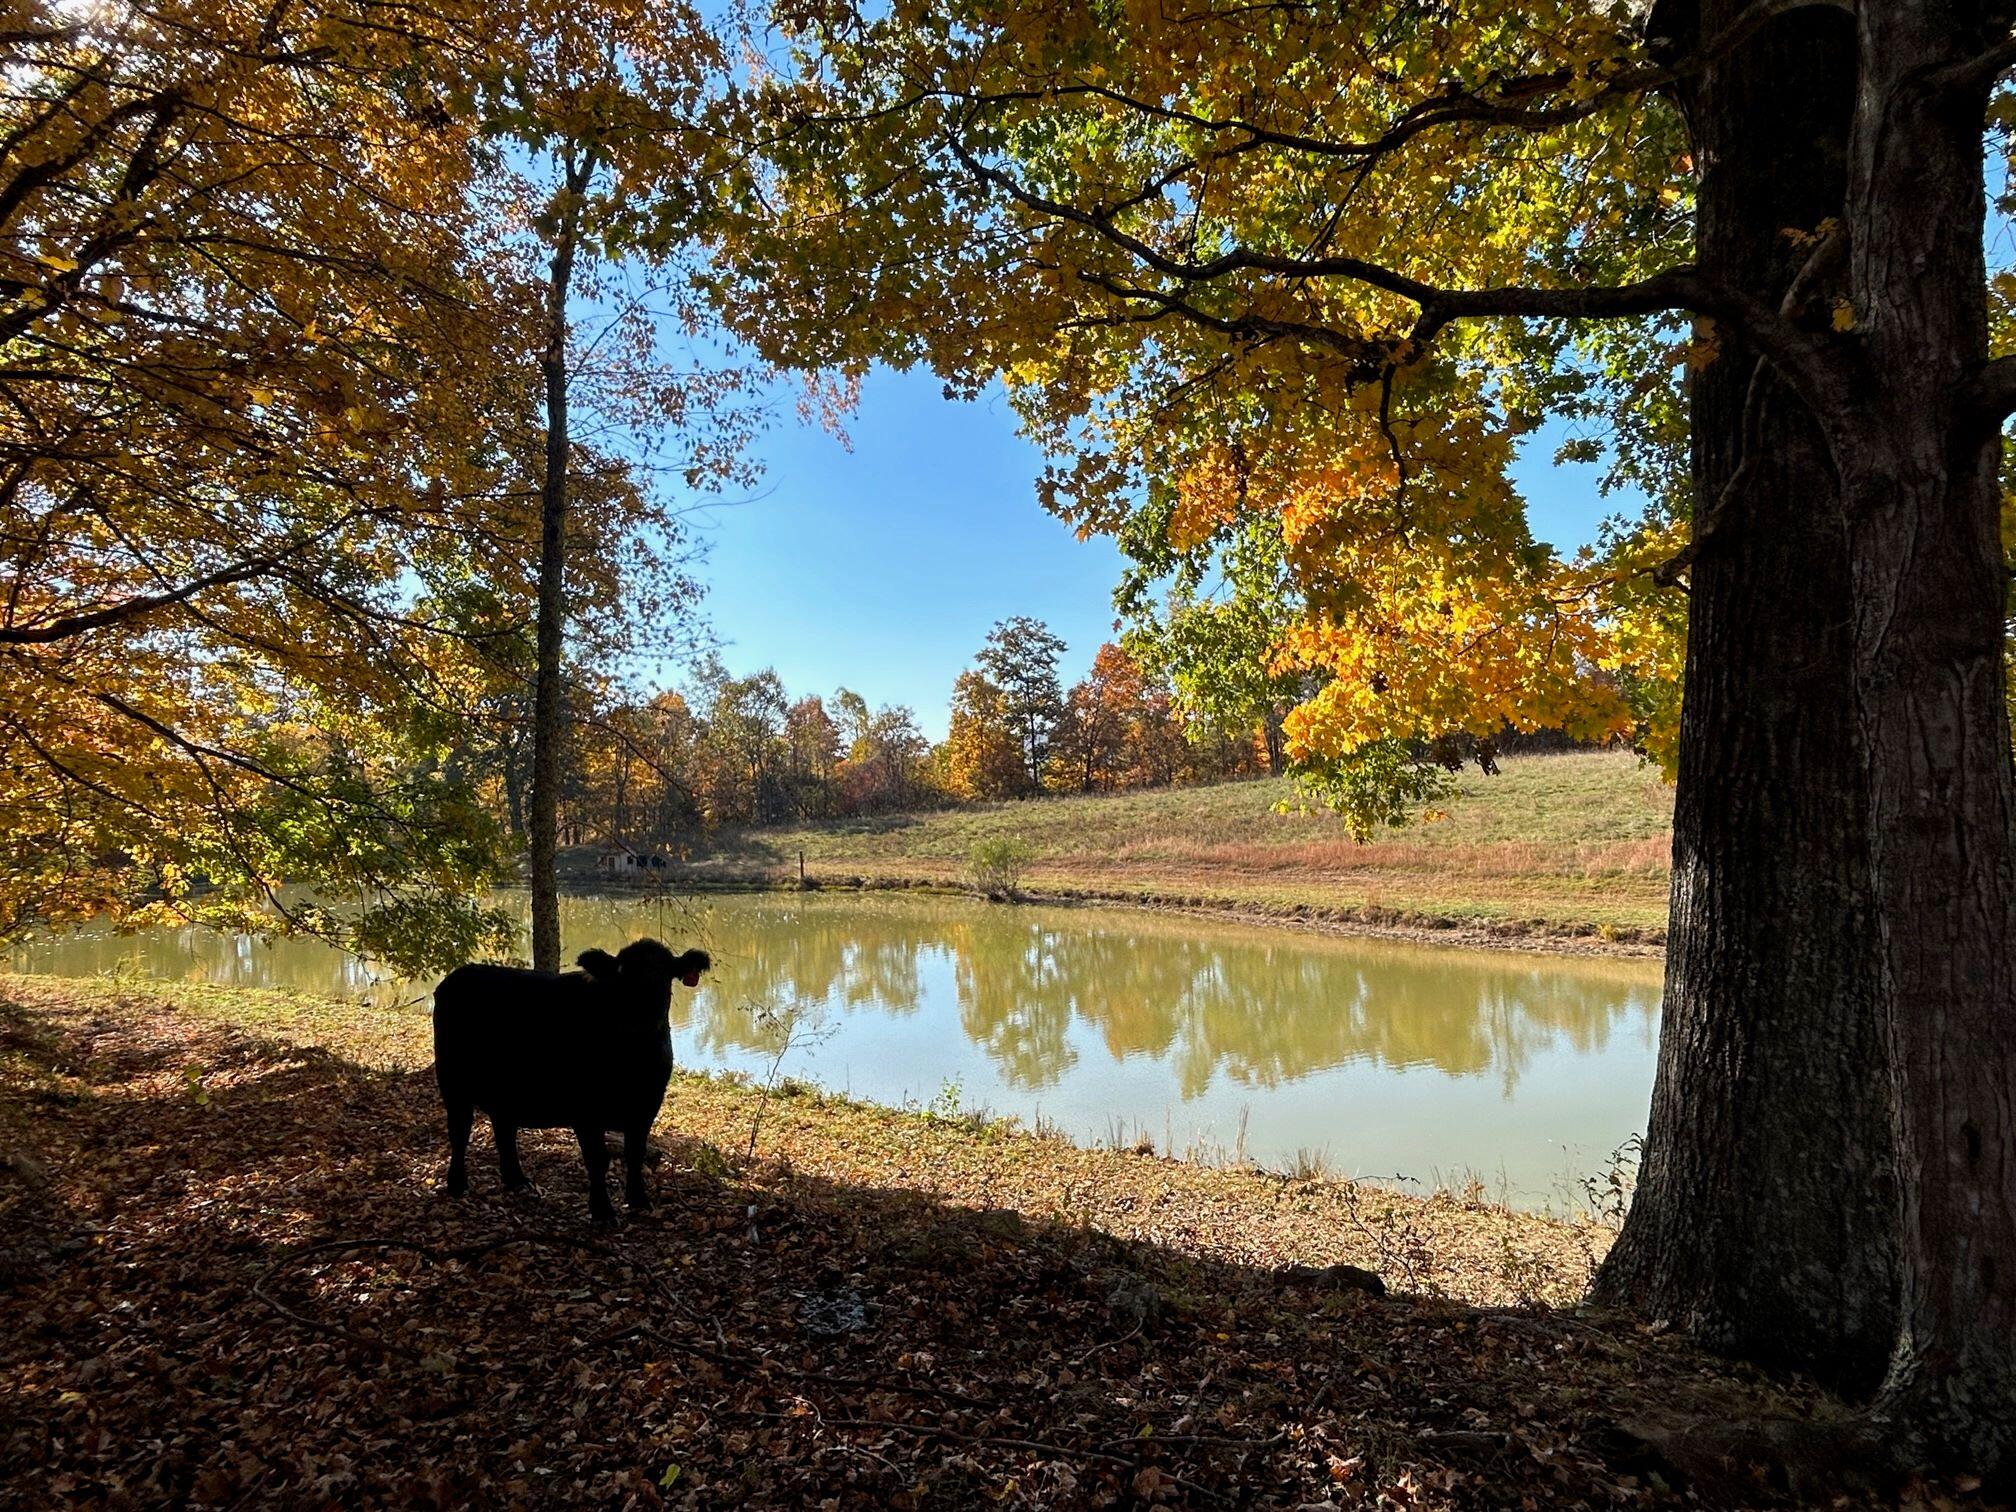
[[995, 867]]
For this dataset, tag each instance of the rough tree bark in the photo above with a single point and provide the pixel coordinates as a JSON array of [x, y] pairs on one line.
[[1765, 1208], [1919, 457], [547, 734]]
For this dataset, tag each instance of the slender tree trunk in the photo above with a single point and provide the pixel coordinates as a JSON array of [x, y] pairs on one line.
[[514, 791], [1931, 595], [546, 711], [1764, 1216], [1276, 741]]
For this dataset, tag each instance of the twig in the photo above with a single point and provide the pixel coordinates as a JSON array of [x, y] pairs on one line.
[[1216, 1441], [1131, 1333], [320, 1325], [818, 1377], [990, 1440], [427, 1251]]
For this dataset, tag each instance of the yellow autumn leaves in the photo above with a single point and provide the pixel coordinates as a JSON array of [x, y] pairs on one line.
[[1186, 237]]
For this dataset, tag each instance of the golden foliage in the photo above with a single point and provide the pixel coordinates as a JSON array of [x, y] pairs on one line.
[[267, 319], [981, 757]]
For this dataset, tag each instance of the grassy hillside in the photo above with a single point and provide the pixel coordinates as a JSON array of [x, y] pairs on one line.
[[1573, 842]]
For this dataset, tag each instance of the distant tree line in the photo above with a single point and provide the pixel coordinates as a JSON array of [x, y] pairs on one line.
[[728, 750], [1016, 731]]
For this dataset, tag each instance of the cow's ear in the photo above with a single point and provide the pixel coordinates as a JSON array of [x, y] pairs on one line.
[[599, 964]]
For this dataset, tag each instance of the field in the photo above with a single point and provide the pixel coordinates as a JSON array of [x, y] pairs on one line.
[[1554, 845]]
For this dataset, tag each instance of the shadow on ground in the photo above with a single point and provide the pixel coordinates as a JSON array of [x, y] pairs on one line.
[[230, 1280]]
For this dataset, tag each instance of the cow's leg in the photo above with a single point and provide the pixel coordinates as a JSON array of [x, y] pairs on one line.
[[635, 1194], [595, 1155], [461, 1115], [508, 1170]]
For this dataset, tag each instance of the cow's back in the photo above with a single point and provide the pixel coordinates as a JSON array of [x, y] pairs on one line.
[[517, 1043]]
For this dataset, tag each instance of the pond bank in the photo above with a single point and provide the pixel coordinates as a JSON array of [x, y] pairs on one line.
[[231, 1278], [1454, 1244], [1567, 854], [1362, 921], [1218, 1039]]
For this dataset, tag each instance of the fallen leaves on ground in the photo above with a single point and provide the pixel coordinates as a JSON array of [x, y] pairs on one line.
[[231, 1280]]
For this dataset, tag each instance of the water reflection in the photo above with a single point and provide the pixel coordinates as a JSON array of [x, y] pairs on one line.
[[202, 955], [1400, 1058], [1260, 1009]]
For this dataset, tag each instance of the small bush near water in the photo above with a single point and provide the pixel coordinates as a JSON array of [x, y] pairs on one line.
[[995, 866]]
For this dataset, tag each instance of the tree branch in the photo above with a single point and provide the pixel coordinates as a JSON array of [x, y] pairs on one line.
[[1992, 394], [1750, 22], [1674, 289], [1811, 364], [79, 624], [1449, 109], [1452, 107], [1980, 70]]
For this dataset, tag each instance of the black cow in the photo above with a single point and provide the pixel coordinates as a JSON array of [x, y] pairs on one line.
[[587, 1050]]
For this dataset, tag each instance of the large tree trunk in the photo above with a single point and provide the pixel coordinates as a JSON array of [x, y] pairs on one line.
[[1931, 591], [1765, 1210], [546, 713]]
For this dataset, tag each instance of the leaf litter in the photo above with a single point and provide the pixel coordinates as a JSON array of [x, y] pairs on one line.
[[257, 1296]]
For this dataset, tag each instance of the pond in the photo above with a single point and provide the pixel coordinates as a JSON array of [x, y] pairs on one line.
[[1210, 1039]]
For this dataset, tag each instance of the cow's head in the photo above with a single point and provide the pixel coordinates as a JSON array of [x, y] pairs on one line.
[[647, 966]]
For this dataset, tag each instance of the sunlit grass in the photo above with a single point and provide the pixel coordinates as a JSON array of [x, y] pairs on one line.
[[1570, 840]]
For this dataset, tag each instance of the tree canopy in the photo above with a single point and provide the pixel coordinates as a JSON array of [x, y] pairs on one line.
[[236, 264], [1233, 266]]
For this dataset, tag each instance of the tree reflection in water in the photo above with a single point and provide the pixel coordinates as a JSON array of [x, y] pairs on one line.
[[1258, 1008], [1388, 1058]]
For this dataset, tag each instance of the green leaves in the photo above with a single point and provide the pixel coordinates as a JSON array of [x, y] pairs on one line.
[[1382, 784], [266, 538]]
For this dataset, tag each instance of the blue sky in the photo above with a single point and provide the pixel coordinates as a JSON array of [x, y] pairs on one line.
[[883, 568]]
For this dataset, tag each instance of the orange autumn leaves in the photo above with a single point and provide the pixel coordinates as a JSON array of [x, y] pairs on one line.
[[267, 314]]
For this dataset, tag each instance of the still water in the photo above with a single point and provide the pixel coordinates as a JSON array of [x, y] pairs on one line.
[[1385, 1060]]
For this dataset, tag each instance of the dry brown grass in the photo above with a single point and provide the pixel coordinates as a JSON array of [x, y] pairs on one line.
[[1516, 858], [1563, 843]]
